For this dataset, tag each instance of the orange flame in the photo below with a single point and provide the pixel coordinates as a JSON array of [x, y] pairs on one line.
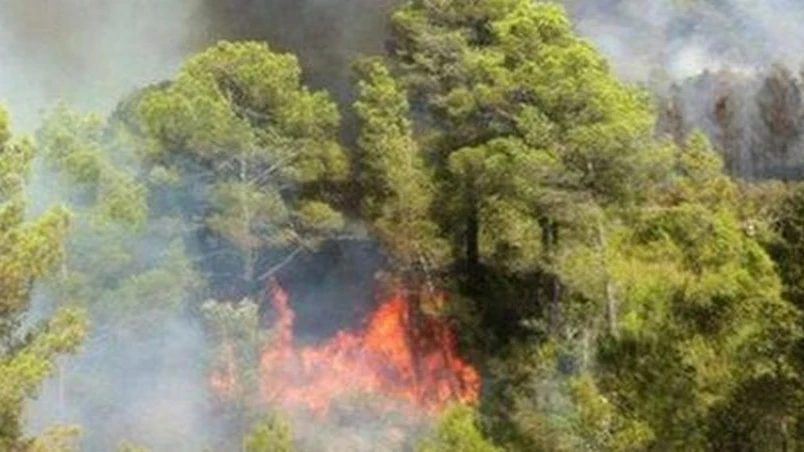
[[396, 357]]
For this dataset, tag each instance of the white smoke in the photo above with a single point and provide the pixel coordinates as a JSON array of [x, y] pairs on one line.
[[87, 52], [682, 39]]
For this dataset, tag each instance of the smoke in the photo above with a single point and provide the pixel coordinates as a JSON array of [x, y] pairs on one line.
[[326, 34], [87, 52], [141, 374], [91, 52], [151, 391], [718, 54], [681, 39]]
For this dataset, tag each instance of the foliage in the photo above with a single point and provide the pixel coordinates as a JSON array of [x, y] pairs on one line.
[[57, 439], [126, 266], [456, 431], [699, 316], [127, 446], [397, 190], [107, 267], [272, 434], [237, 125], [530, 134], [29, 250]]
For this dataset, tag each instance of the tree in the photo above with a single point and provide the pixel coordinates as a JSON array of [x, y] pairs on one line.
[[779, 102], [396, 188], [647, 281], [252, 154], [106, 267], [784, 246], [535, 403], [122, 263], [28, 251], [272, 434], [59, 439], [702, 319], [730, 133], [127, 446], [456, 431], [528, 129], [672, 120]]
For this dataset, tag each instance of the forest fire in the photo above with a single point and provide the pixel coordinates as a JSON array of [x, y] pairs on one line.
[[398, 358]]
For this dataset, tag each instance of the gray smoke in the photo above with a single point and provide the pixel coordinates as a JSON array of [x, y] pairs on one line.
[[326, 34], [681, 39], [87, 52], [90, 52], [149, 391]]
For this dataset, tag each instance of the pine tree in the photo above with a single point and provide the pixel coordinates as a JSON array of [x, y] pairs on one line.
[[396, 187], [30, 249], [252, 153]]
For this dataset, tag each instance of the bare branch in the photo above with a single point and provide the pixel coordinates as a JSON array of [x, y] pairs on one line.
[[287, 260]]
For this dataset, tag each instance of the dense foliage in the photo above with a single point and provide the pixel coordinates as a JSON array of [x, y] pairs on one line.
[[616, 282], [30, 248]]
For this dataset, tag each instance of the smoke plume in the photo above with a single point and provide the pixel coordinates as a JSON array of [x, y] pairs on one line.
[[326, 34], [681, 39], [87, 52], [91, 52]]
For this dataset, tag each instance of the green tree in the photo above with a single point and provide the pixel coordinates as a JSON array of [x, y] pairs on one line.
[[58, 439], [785, 246], [396, 187], [631, 254], [29, 250], [105, 267], [701, 317], [127, 446], [537, 405], [126, 266], [528, 129], [254, 151], [272, 434], [457, 431]]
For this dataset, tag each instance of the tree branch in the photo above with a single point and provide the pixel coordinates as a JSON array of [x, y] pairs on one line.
[[287, 260]]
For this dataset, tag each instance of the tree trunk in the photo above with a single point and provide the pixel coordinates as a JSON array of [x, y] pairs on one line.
[[611, 300], [552, 284], [248, 270]]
